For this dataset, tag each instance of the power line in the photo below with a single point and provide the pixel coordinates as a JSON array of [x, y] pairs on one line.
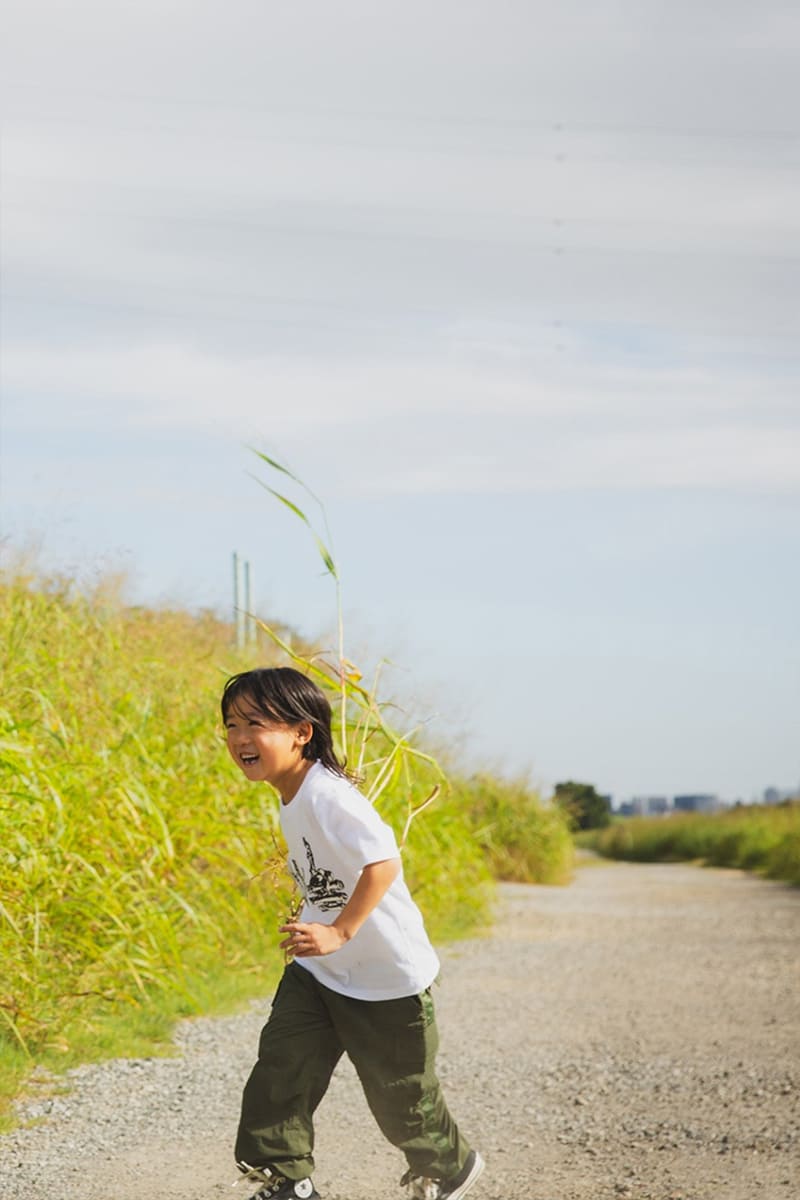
[[556, 125]]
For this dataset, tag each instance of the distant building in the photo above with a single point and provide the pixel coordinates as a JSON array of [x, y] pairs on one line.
[[650, 806], [644, 806], [774, 795], [701, 802]]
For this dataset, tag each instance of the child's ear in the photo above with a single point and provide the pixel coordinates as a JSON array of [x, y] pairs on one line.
[[304, 733]]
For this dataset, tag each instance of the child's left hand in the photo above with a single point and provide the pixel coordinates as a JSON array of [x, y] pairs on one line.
[[308, 939]]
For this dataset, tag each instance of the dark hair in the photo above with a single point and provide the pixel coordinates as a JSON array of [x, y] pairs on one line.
[[284, 695]]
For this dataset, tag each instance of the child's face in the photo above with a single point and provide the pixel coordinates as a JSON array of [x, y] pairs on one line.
[[266, 750]]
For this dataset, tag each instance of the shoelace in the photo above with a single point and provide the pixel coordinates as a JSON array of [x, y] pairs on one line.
[[261, 1175], [273, 1185], [425, 1189], [421, 1188], [248, 1174]]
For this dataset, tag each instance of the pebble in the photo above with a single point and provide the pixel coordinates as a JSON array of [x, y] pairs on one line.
[[591, 1057]]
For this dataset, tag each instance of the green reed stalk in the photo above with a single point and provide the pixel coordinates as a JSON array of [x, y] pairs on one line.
[[140, 878], [330, 566]]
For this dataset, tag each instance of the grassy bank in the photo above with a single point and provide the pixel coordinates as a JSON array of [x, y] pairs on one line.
[[753, 837], [140, 877]]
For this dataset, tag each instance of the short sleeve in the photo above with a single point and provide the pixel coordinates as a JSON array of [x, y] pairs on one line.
[[361, 835]]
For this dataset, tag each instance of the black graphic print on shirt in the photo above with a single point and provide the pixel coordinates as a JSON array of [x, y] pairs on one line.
[[318, 885]]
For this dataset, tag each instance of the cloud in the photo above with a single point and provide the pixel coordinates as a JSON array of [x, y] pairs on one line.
[[712, 459], [499, 278], [340, 173], [436, 426]]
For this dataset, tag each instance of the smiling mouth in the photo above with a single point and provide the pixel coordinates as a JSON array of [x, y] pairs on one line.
[[248, 759]]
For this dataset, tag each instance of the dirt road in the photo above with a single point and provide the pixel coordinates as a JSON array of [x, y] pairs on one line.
[[636, 1034]]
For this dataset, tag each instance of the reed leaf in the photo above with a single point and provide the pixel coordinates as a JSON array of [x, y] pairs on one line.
[[139, 875]]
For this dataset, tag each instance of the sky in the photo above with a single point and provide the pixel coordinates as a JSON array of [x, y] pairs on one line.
[[512, 287]]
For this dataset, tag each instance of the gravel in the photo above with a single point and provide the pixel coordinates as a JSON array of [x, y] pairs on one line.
[[635, 1034]]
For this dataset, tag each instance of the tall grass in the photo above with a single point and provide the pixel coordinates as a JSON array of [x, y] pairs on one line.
[[141, 878], [368, 744], [754, 837], [522, 838], [126, 855]]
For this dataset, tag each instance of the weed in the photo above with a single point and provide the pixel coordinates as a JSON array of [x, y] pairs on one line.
[[752, 837]]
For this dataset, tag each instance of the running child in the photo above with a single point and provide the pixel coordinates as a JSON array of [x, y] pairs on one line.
[[361, 963]]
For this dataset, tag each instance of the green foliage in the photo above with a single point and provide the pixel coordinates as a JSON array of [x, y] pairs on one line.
[[127, 853], [754, 838], [585, 808], [523, 839], [141, 879]]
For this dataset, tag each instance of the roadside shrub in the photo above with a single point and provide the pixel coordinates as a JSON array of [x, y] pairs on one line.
[[754, 838], [138, 872], [783, 859], [523, 838]]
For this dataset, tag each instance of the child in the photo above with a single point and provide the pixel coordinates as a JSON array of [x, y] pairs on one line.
[[361, 964]]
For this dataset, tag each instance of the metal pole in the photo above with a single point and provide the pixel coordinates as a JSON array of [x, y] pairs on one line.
[[236, 591], [248, 605], [238, 613]]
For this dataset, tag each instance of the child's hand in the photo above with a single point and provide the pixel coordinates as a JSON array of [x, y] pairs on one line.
[[308, 939]]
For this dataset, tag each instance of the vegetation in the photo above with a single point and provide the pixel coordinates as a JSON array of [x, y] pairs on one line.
[[523, 839], [584, 806], [141, 879], [753, 837]]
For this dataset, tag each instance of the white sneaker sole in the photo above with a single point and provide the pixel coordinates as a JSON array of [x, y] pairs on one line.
[[474, 1175]]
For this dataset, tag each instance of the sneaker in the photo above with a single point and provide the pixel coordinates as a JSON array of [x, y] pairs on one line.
[[275, 1186], [446, 1189]]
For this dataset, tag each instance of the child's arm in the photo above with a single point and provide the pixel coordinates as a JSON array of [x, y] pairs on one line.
[[312, 938]]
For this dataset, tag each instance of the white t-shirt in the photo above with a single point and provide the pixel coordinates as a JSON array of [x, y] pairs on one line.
[[333, 832]]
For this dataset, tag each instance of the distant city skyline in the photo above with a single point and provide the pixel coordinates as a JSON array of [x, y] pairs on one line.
[[655, 803]]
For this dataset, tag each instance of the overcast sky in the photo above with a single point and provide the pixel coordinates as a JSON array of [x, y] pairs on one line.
[[512, 286]]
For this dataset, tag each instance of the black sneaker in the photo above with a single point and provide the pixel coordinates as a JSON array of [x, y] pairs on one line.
[[275, 1186], [423, 1188]]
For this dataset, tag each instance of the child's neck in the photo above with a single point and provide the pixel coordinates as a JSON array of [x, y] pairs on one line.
[[290, 786]]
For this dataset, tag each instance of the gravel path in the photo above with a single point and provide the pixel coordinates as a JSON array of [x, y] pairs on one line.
[[636, 1034]]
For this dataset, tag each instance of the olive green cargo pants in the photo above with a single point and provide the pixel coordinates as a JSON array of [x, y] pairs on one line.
[[392, 1045]]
